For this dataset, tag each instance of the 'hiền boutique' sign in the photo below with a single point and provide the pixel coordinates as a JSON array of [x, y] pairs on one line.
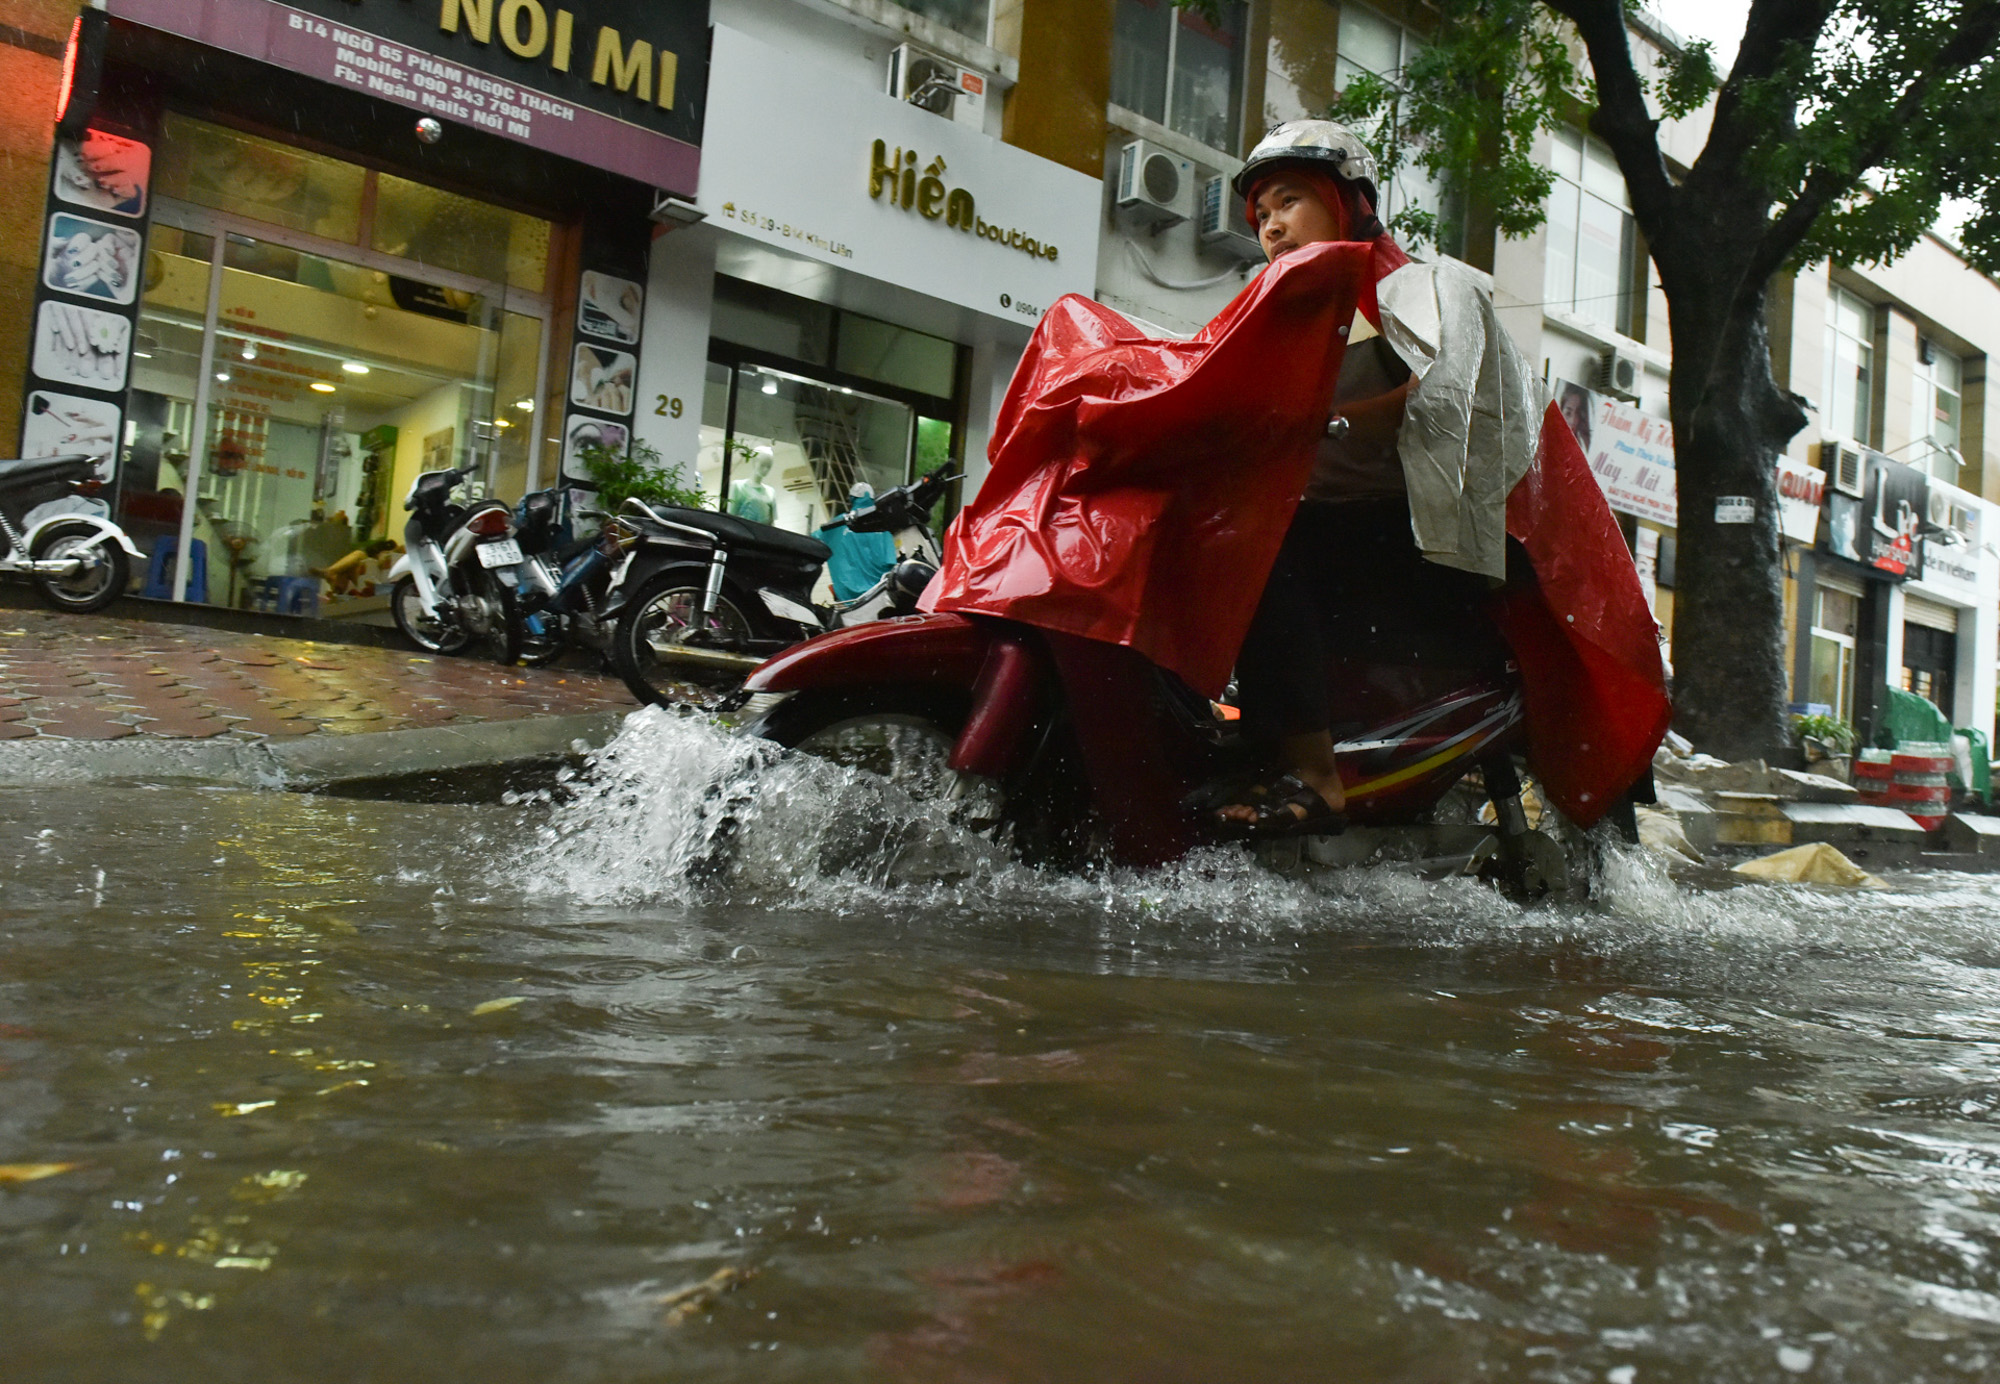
[[896, 175], [888, 190], [617, 84]]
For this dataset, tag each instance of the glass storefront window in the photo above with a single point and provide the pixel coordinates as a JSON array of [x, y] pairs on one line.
[[245, 175], [766, 319], [1836, 620], [800, 445], [250, 176], [889, 354], [367, 328], [710, 465], [933, 445], [445, 231]]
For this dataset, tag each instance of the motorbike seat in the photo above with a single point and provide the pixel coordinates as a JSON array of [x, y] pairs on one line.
[[741, 533], [33, 470]]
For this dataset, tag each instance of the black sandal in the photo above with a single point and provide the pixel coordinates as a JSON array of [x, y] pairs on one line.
[[1273, 804]]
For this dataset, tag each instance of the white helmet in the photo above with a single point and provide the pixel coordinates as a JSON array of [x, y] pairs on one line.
[[1324, 143]]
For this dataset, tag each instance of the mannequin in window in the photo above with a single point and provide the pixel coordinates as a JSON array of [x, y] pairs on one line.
[[751, 498]]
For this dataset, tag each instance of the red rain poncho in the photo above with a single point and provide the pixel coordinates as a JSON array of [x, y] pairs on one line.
[[1140, 489]]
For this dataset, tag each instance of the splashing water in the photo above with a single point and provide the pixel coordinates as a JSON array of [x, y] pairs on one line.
[[676, 804]]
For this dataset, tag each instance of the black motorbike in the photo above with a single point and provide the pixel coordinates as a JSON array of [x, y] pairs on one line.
[[79, 562], [704, 590]]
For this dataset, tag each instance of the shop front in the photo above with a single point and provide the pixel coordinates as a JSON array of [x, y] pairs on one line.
[[300, 253], [1901, 591], [852, 305]]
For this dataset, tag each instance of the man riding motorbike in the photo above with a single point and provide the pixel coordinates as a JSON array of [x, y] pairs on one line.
[[1400, 534]]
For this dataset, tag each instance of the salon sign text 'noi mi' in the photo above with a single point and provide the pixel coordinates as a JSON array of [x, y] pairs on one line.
[[534, 31]]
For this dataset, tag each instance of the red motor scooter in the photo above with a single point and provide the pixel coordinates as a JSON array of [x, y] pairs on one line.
[[1136, 482], [1070, 749]]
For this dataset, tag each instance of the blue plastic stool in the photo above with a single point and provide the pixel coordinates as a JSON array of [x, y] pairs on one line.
[[160, 570], [289, 595]]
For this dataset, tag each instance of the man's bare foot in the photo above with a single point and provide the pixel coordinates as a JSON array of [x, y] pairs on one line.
[[1291, 800]]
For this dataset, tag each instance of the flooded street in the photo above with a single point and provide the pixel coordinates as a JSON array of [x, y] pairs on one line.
[[386, 1092]]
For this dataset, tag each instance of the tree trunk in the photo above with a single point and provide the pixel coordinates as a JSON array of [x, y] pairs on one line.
[[1731, 422]]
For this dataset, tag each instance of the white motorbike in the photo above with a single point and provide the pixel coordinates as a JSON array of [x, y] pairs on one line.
[[80, 562], [447, 589]]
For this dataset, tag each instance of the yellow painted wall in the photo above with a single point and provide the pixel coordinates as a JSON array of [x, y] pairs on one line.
[[434, 412], [1058, 110]]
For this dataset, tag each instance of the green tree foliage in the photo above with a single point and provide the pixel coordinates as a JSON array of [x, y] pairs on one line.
[[1854, 120]]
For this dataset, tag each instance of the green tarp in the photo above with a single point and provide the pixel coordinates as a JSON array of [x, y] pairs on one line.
[[1908, 718]]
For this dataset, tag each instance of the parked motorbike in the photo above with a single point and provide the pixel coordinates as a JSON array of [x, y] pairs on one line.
[[712, 590], [79, 562], [562, 584], [447, 591]]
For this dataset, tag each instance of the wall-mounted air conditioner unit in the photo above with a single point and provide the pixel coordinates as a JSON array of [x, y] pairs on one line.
[[1219, 223], [937, 84], [1846, 470], [1154, 186], [1619, 375], [1937, 512]]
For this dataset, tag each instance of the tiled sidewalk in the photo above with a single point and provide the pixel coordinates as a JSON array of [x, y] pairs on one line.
[[98, 677]]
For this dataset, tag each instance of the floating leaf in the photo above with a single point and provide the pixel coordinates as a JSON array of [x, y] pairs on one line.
[[685, 1303], [495, 1006], [31, 1172], [242, 1108]]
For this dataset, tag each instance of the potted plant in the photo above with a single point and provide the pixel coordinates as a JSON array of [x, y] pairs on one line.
[[1828, 742]]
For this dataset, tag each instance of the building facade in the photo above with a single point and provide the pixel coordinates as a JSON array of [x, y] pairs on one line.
[[793, 245]]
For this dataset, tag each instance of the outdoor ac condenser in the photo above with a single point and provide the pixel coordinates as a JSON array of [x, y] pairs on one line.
[[1619, 374], [1844, 468], [1154, 186], [936, 84], [1219, 222]]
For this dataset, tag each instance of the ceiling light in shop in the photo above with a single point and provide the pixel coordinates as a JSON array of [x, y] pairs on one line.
[[222, 376], [502, 423], [354, 367], [770, 384], [321, 387], [525, 405], [249, 350]]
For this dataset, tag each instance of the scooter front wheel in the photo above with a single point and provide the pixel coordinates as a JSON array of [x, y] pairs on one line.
[[904, 735], [101, 574], [428, 632]]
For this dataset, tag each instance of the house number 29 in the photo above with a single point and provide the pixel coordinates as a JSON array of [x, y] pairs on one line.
[[667, 408]]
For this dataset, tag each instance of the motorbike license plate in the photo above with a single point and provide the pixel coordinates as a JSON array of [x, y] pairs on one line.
[[504, 552]]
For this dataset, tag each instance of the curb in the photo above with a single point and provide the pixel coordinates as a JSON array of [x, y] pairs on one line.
[[472, 762]]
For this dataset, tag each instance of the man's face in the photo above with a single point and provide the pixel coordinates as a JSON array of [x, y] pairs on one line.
[[1290, 214]]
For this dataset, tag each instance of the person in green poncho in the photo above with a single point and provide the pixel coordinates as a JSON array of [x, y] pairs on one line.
[[859, 559]]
